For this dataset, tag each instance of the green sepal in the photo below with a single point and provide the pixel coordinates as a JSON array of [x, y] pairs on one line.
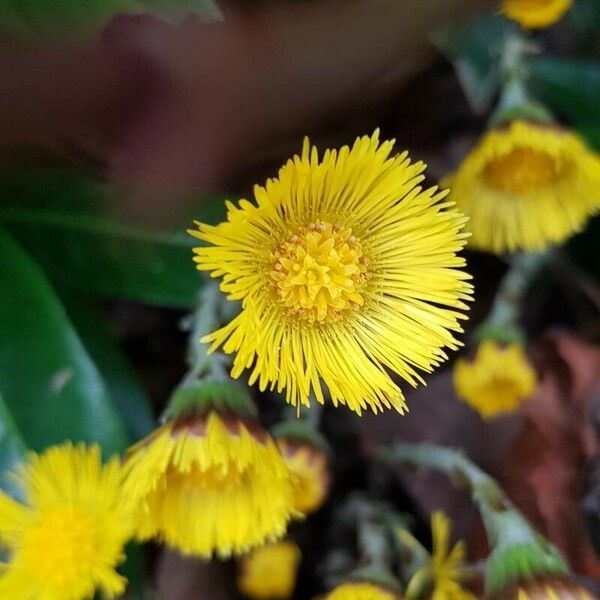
[[527, 111], [200, 397], [503, 334], [377, 575], [519, 553], [303, 432]]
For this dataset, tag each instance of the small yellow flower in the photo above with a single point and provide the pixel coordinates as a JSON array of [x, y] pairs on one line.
[[65, 540], [210, 484], [526, 186], [535, 14], [497, 381], [551, 588], [444, 573], [269, 572], [310, 467], [347, 270], [362, 590]]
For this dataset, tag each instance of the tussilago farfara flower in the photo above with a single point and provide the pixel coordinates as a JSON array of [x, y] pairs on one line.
[[535, 14], [548, 588], [362, 590], [269, 572], [497, 381], [65, 540], [305, 453], [212, 483], [526, 186], [346, 268], [444, 573]]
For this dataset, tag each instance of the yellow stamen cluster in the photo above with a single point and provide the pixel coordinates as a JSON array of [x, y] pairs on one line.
[[534, 14], [318, 272]]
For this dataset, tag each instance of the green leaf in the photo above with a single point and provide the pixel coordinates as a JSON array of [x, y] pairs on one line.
[[571, 89], [51, 386], [474, 47], [12, 447], [127, 394], [62, 219], [44, 16]]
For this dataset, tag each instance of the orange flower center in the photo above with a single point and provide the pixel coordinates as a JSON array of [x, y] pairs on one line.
[[522, 170], [318, 273]]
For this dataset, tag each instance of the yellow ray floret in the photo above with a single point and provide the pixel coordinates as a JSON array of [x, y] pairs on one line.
[[526, 186], [346, 268], [269, 572], [210, 484], [362, 591], [535, 14], [66, 538], [311, 473], [497, 381]]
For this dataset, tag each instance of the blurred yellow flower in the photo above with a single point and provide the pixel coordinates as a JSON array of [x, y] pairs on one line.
[[269, 572], [444, 573], [497, 381], [210, 484], [526, 186], [311, 470], [362, 591], [535, 14], [65, 540], [346, 269], [549, 588]]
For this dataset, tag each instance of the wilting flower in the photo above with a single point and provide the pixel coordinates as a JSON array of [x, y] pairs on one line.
[[535, 14], [362, 590], [346, 268], [444, 572], [526, 186], [311, 471], [269, 572], [497, 381], [545, 588], [209, 484], [65, 540]]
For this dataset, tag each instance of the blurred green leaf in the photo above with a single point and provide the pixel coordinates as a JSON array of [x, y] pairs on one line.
[[473, 47], [51, 387], [61, 218], [43, 16], [571, 89], [128, 395], [12, 447]]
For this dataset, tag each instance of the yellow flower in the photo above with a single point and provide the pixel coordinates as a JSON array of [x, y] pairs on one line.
[[311, 470], [362, 590], [444, 573], [526, 186], [534, 14], [210, 484], [66, 538], [497, 381], [269, 572], [551, 588], [346, 268]]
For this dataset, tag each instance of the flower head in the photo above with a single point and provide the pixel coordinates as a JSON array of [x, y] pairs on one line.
[[66, 538], [269, 572], [545, 588], [310, 467], [210, 484], [526, 186], [535, 14], [497, 381], [346, 269], [362, 590], [444, 572]]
